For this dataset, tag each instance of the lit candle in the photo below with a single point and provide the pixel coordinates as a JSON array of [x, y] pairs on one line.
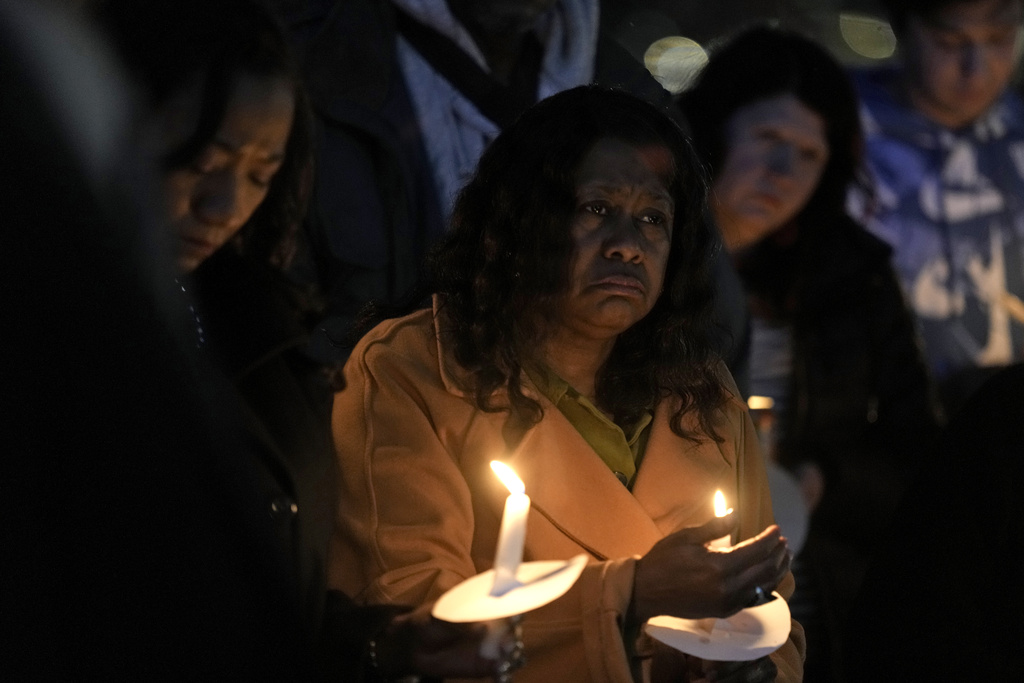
[[762, 411], [513, 530], [760, 403], [725, 542]]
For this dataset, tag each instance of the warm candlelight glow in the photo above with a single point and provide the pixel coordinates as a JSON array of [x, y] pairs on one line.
[[512, 533], [760, 403], [725, 542], [508, 477], [720, 510]]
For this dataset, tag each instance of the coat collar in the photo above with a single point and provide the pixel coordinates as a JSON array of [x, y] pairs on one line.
[[456, 379]]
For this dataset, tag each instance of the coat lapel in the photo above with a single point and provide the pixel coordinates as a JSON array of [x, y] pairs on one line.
[[571, 486], [678, 477]]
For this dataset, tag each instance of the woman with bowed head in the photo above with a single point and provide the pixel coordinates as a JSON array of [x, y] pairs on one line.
[[832, 343], [569, 337], [229, 126]]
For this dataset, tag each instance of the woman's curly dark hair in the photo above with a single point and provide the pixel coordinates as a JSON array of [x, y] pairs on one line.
[[506, 261], [170, 45]]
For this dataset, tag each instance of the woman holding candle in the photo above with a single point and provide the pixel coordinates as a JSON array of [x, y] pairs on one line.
[[568, 337]]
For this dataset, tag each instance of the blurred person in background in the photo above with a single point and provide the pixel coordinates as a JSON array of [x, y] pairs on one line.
[[946, 578], [832, 342], [945, 145], [232, 139], [407, 95], [134, 544]]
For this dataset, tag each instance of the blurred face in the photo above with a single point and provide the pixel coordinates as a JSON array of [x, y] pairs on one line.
[[776, 151], [211, 199], [622, 234], [960, 60]]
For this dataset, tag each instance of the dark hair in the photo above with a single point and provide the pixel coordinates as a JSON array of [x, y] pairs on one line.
[[169, 45], [762, 63], [507, 258], [901, 10]]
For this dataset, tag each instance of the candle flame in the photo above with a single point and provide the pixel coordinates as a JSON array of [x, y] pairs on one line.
[[720, 510], [508, 477]]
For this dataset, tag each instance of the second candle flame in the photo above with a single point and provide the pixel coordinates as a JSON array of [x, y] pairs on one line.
[[720, 510], [725, 542]]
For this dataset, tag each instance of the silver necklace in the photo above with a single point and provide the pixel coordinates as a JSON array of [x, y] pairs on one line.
[[200, 335]]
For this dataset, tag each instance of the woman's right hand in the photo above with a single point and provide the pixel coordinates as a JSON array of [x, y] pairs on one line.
[[681, 577]]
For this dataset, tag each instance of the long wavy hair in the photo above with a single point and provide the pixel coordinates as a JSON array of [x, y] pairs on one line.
[[506, 262], [170, 45], [758, 64]]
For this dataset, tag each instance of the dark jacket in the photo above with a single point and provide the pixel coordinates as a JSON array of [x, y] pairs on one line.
[[863, 407], [861, 404], [254, 333], [374, 213], [942, 599], [255, 336], [860, 401]]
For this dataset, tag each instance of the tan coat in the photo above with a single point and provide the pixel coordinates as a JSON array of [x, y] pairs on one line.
[[420, 507]]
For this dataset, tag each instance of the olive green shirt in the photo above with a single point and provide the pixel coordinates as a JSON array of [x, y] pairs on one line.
[[621, 449]]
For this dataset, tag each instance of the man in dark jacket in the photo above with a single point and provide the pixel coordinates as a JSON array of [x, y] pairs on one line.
[[407, 95]]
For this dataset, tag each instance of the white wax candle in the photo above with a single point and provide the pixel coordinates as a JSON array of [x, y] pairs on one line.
[[725, 542], [512, 535]]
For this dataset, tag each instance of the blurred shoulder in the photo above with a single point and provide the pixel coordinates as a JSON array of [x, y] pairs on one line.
[[733, 398]]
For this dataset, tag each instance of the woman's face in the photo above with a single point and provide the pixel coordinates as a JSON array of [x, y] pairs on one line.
[[211, 199], [622, 235], [776, 151]]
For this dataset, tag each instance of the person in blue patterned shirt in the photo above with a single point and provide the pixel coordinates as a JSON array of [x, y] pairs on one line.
[[945, 145]]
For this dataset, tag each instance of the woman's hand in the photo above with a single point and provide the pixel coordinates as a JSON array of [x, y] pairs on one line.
[[680, 577], [417, 643]]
